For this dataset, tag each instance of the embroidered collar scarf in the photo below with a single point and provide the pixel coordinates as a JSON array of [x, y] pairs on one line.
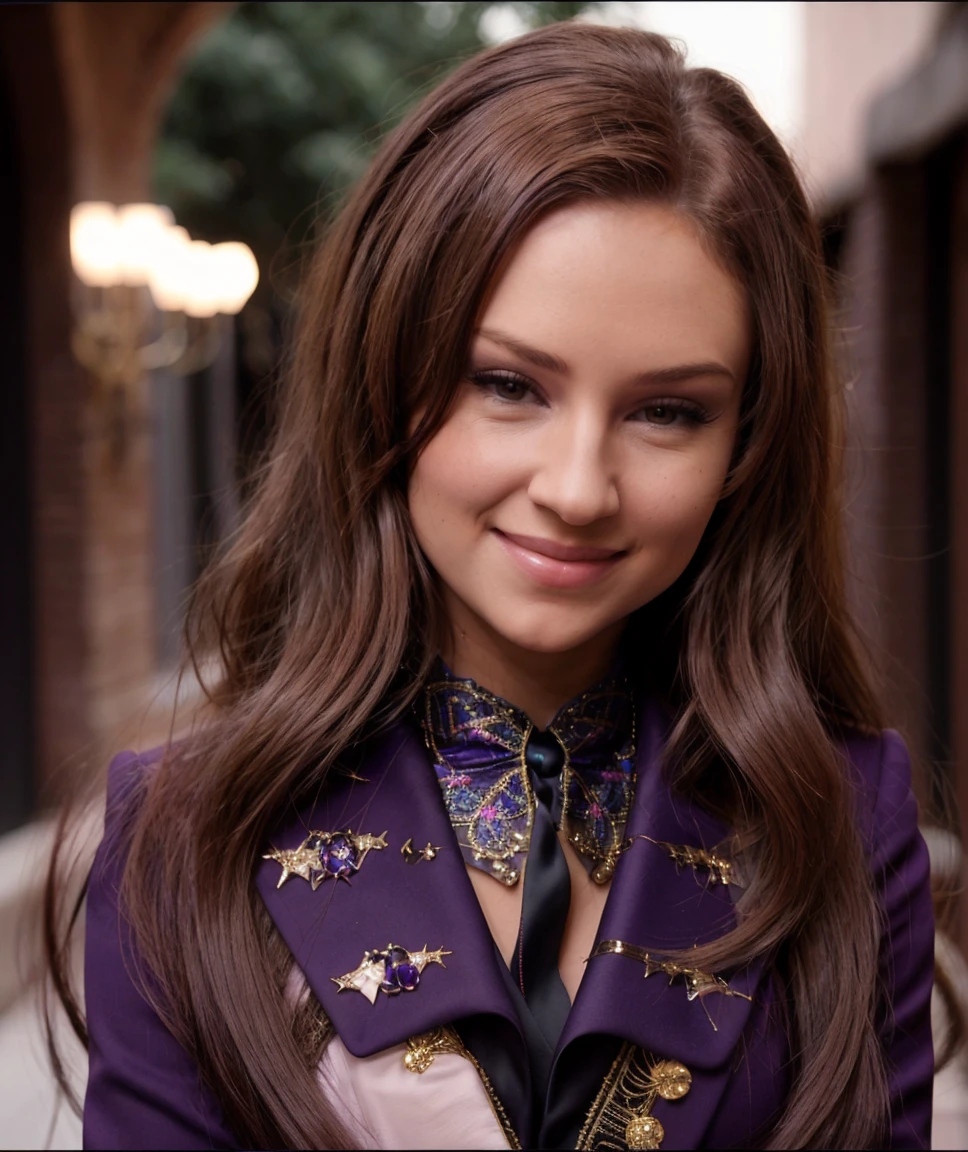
[[478, 742]]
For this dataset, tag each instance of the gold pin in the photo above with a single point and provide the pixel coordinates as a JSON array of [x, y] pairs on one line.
[[326, 855], [390, 970], [415, 855], [698, 984], [718, 869], [422, 1050]]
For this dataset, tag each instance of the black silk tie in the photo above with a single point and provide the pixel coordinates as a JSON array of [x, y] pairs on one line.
[[547, 892]]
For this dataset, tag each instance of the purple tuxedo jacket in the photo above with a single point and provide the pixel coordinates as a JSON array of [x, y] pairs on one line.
[[145, 1092]]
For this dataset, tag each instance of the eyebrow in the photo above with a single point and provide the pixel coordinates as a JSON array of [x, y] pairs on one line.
[[550, 363]]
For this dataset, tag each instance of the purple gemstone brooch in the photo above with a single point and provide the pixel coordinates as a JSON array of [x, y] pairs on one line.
[[325, 855], [389, 970]]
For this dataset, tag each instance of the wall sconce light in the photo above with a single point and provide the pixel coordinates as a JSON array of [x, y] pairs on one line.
[[148, 297]]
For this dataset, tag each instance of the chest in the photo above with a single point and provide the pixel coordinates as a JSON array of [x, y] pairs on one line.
[[728, 1041], [501, 907], [432, 1092]]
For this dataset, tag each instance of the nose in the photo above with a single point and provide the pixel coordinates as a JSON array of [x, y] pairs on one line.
[[575, 473]]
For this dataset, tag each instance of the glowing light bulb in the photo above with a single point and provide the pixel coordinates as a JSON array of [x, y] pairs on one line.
[[95, 243], [199, 278], [235, 274], [201, 298], [169, 278], [141, 234]]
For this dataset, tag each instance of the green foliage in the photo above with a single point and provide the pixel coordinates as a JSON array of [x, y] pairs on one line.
[[281, 105]]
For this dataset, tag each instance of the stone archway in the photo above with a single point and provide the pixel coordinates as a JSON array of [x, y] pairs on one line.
[[119, 62], [86, 88]]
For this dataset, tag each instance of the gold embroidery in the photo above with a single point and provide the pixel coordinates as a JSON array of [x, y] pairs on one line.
[[621, 1116], [510, 799], [581, 835], [698, 984], [720, 868], [421, 1052], [495, 825]]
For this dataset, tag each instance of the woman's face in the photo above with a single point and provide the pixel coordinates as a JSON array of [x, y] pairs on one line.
[[589, 442]]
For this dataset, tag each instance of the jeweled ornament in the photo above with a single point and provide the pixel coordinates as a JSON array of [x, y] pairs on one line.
[[621, 1116], [414, 855], [643, 1132], [672, 1079], [326, 855], [481, 744], [390, 970]]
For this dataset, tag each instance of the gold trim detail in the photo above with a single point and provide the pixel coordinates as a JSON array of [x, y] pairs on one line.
[[602, 859], [620, 1118], [421, 1052], [698, 984], [510, 729], [513, 841], [719, 868]]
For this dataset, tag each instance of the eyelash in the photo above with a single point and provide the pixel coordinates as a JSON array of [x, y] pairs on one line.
[[692, 413]]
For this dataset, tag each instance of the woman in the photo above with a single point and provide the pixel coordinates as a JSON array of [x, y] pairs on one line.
[[543, 800]]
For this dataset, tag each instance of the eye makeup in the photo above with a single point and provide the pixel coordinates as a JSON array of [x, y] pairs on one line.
[[511, 387], [503, 384], [666, 413]]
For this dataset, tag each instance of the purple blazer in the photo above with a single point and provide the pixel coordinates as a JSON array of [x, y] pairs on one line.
[[145, 1092]]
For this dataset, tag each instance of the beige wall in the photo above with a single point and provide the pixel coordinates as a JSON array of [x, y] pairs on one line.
[[853, 52]]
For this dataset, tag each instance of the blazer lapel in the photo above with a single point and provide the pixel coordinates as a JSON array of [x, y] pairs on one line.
[[652, 904], [388, 901], [660, 907]]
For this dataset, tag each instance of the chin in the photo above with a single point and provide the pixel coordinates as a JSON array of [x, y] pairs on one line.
[[548, 636]]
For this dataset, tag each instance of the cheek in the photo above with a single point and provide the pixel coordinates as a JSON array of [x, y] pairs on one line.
[[671, 506], [458, 477]]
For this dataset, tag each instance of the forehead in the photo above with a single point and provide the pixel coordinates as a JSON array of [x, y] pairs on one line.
[[617, 280]]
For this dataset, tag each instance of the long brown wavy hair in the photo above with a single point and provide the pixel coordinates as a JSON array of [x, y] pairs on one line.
[[322, 617]]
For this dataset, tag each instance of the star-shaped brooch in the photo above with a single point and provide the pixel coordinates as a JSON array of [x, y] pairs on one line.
[[325, 855], [390, 970]]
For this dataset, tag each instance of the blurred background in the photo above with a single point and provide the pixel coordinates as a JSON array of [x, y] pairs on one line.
[[168, 167]]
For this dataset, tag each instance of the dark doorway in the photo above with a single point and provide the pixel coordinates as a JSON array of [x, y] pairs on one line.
[[17, 793]]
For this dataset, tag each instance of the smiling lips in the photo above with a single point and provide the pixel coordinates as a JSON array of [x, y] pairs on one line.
[[558, 565]]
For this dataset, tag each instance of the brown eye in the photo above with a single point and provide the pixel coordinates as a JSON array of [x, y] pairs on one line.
[[660, 414], [505, 386], [509, 389]]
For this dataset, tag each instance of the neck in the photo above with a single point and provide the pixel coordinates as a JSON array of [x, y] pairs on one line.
[[538, 683]]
